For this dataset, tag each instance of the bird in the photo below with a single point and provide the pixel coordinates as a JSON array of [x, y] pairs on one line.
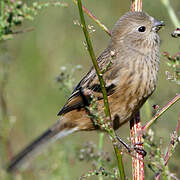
[[130, 65]]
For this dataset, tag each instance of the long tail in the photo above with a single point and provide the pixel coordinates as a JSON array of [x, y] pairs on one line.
[[57, 131]]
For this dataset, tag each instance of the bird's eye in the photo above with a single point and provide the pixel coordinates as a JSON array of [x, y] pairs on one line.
[[142, 29]]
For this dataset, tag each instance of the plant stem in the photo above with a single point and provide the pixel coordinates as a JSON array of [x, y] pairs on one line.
[[171, 13], [94, 18], [96, 66], [136, 139], [135, 125], [102, 84], [2, 9], [136, 5], [120, 162], [158, 114], [172, 145], [101, 138]]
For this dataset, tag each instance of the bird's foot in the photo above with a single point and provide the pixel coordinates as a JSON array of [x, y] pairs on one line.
[[138, 150]]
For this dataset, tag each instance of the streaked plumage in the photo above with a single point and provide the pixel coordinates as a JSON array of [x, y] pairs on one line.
[[130, 78]]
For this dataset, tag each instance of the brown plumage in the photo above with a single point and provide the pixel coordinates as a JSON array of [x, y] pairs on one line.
[[130, 79]]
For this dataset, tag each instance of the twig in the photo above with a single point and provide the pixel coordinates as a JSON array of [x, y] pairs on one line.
[[135, 124], [96, 66], [136, 5], [136, 139], [172, 145], [2, 9], [102, 84], [173, 18], [174, 177], [171, 13], [101, 137], [94, 18], [158, 114]]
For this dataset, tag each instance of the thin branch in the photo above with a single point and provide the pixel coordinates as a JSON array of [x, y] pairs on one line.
[[102, 84], [163, 110], [101, 137], [173, 17], [171, 13], [2, 9], [136, 139], [172, 145], [135, 125], [94, 18], [136, 5], [93, 57]]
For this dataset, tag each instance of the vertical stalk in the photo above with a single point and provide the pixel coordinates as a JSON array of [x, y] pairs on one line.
[[94, 18], [2, 4], [101, 137], [120, 163], [102, 84], [136, 138], [135, 125], [171, 13], [136, 5], [93, 57], [2, 8]]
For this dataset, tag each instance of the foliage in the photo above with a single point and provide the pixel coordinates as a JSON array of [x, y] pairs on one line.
[[174, 63], [13, 13]]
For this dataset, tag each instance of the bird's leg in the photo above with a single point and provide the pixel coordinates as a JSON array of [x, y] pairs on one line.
[[124, 144], [129, 149], [86, 96]]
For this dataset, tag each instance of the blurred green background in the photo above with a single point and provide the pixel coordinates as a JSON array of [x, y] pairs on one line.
[[33, 95]]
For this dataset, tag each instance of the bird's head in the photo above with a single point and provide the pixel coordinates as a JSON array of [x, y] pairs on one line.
[[136, 30]]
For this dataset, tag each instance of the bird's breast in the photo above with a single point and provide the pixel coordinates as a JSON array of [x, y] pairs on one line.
[[135, 83]]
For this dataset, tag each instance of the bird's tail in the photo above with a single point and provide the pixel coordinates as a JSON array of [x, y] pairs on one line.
[[57, 131]]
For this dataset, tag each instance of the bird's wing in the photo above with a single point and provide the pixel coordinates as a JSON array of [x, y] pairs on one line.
[[89, 85]]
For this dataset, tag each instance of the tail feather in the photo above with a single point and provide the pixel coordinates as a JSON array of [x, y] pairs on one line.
[[32, 150]]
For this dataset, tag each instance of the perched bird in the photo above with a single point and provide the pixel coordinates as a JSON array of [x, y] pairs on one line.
[[130, 66]]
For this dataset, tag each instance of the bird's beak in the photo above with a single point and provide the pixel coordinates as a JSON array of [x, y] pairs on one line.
[[157, 25]]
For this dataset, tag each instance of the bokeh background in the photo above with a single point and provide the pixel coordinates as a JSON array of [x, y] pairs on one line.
[[34, 97]]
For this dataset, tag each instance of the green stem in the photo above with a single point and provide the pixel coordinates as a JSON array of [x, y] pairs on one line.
[[171, 12], [120, 162], [93, 57], [101, 138], [2, 8], [118, 154], [97, 21], [102, 84]]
